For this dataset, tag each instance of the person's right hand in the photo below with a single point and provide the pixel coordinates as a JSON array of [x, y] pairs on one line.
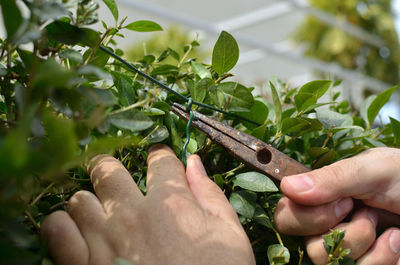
[[184, 218], [319, 200]]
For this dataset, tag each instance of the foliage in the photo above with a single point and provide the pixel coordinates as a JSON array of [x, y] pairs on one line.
[[333, 246], [333, 44], [63, 100]]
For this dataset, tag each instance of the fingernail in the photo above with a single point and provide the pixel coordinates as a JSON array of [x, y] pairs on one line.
[[300, 183], [199, 165], [394, 241], [343, 207], [373, 216]]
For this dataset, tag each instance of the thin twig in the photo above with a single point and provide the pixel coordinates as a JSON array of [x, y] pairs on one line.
[[32, 220], [41, 194]]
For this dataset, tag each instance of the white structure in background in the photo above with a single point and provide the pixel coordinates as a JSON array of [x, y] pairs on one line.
[[262, 29]]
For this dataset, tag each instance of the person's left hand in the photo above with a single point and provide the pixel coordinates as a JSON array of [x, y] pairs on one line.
[[183, 219]]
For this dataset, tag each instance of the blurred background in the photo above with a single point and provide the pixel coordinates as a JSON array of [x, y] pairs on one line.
[[356, 41]]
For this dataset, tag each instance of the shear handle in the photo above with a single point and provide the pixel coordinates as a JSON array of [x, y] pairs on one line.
[[248, 149]]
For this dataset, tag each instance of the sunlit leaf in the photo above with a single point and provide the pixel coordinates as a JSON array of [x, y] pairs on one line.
[[396, 131], [112, 5], [144, 26], [225, 53], [11, 16], [278, 254], [132, 120], [277, 106], [309, 94], [64, 32], [244, 203], [254, 181], [378, 102], [200, 70]]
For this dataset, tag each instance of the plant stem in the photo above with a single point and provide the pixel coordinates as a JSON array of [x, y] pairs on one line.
[[278, 236], [41, 194], [241, 165], [32, 220], [328, 137], [301, 255], [185, 55], [97, 46], [135, 105], [221, 78], [147, 136]]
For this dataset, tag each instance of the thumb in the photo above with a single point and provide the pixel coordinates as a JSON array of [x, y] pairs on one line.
[[207, 193], [361, 177]]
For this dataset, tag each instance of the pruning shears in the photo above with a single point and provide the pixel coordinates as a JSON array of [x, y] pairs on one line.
[[246, 148]]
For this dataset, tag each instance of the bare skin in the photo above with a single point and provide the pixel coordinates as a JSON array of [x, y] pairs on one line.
[[321, 199], [184, 218]]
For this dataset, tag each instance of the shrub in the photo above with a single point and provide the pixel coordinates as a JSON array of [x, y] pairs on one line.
[[64, 100]]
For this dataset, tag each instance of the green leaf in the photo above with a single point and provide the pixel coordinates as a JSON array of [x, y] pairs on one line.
[[126, 89], [244, 202], [158, 135], [278, 254], [258, 113], [309, 94], [99, 59], [331, 119], [119, 261], [3, 108], [113, 8], [144, 26], [27, 57], [277, 106], [225, 53], [11, 16], [254, 181], [91, 39], [71, 55], [153, 112], [294, 125], [200, 70], [396, 131], [64, 32], [364, 107], [50, 10], [132, 120], [378, 103], [198, 92], [235, 97], [261, 217], [165, 69]]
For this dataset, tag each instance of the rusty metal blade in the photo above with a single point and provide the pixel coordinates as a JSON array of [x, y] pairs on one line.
[[248, 149]]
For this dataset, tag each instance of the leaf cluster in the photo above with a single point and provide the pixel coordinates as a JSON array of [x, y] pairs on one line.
[[64, 100]]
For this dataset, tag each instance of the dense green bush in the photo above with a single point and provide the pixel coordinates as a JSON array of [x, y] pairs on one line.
[[63, 100]]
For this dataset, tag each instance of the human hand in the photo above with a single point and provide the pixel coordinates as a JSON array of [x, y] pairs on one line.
[[183, 219], [319, 200]]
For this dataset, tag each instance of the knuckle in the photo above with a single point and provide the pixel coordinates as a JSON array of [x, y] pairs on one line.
[[104, 166], [53, 224], [76, 200]]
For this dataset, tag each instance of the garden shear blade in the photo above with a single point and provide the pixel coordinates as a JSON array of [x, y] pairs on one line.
[[248, 149]]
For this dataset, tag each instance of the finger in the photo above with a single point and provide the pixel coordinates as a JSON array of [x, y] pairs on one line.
[[87, 212], [385, 250], [295, 219], [65, 242], [112, 183], [360, 177], [207, 193], [360, 235], [165, 172]]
